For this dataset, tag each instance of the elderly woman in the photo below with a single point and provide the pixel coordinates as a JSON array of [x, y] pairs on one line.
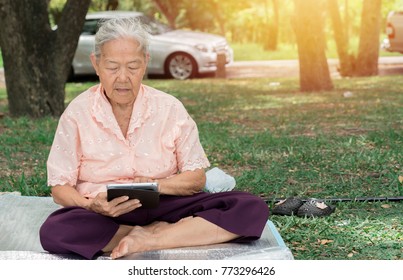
[[122, 131]]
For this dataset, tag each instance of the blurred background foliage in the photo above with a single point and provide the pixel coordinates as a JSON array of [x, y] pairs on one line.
[[249, 21]]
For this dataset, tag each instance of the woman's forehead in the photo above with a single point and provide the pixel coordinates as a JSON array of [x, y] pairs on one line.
[[122, 47]]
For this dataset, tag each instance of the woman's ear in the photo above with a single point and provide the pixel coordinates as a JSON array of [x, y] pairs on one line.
[[94, 63], [147, 59]]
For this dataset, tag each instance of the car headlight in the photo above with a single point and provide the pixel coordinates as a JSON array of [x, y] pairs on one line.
[[203, 48]]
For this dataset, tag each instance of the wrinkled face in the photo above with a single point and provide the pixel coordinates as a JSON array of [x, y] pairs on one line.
[[121, 68]]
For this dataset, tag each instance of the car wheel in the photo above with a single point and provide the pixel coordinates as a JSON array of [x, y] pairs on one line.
[[181, 66]]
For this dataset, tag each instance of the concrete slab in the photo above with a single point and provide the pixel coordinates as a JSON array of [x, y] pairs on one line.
[[22, 216]]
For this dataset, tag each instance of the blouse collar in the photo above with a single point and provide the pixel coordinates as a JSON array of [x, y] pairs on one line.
[[102, 111]]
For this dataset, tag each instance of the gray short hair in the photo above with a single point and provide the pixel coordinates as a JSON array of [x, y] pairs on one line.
[[121, 27]]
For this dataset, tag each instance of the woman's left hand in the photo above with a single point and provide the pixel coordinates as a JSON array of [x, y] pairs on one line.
[[114, 208]]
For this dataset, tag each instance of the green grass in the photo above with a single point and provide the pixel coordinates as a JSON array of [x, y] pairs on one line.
[[251, 51], [276, 142]]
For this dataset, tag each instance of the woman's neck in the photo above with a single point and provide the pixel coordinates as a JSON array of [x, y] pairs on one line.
[[123, 113]]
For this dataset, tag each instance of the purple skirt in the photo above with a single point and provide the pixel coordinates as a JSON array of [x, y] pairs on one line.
[[83, 232]]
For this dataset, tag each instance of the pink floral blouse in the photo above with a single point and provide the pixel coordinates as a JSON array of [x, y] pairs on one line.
[[90, 151]]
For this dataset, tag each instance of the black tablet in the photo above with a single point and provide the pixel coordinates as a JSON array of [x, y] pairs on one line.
[[147, 193]]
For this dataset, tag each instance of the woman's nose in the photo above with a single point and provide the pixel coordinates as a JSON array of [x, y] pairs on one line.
[[123, 74]]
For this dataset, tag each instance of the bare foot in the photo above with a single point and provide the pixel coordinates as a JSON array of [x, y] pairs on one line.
[[138, 240], [156, 226]]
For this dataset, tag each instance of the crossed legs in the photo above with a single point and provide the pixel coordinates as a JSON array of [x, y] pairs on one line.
[[190, 231], [211, 219]]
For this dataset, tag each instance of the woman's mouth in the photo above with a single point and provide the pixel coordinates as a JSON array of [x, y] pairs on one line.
[[122, 90]]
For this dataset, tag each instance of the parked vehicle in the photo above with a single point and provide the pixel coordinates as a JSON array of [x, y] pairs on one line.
[[177, 54], [394, 30]]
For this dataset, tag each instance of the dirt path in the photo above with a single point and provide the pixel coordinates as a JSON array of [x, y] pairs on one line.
[[286, 68], [290, 68]]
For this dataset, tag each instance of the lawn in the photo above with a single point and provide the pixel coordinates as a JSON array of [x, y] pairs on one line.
[[276, 142]]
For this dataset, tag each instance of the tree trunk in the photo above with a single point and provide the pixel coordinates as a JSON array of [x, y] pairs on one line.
[[308, 27], [368, 51], [346, 60], [37, 59], [112, 5], [273, 27], [169, 9], [218, 14]]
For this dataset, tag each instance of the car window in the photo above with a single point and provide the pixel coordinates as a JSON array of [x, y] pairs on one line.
[[90, 27], [155, 27]]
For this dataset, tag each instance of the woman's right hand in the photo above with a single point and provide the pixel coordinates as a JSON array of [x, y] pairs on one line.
[[67, 195], [114, 208]]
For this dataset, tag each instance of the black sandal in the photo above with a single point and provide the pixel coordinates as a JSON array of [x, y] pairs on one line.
[[287, 207], [315, 208]]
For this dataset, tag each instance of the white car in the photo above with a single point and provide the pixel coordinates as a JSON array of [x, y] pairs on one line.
[[178, 54], [394, 30]]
